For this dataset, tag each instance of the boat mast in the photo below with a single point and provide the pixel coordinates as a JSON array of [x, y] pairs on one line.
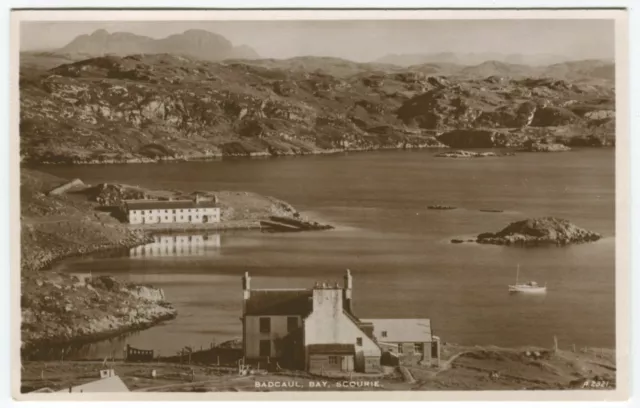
[[517, 274]]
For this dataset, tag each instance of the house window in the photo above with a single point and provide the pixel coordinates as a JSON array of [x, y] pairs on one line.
[[292, 323], [174, 211], [334, 360], [384, 333], [359, 341], [265, 348], [265, 325]]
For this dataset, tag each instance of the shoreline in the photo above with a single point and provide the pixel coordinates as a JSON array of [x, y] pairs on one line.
[[220, 156], [176, 228], [267, 155], [60, 310], [87, 339]]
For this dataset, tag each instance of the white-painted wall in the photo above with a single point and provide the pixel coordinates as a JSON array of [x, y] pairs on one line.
[[178, 215], [253, 335], [328, 324]]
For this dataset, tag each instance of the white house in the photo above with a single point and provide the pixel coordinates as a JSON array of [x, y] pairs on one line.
[[313, 329], [196, 211]]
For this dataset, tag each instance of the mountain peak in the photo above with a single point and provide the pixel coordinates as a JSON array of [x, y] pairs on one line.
[[100, 33], [195, 43]]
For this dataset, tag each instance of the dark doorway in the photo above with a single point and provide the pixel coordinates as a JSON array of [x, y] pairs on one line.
[[265, 348]]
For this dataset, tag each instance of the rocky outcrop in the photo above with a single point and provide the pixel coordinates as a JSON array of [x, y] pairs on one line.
[[463, 154], [114, 194], [58, 309], [539, 231], [480, 138], [547, 147]]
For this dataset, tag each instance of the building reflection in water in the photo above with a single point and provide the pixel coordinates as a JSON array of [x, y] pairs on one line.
[[176, 245]]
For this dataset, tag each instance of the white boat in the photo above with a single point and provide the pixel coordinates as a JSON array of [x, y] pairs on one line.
[[529, 287]]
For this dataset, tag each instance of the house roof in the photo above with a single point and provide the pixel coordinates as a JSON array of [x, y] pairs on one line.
[[166, 204], [109, 384], [279, 302], [401, 330], [332, 348]]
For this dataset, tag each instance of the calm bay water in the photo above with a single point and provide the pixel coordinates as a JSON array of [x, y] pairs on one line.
[[398, 251]]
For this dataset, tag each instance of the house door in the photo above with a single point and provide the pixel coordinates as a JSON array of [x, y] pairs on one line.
[[265, 348], [346, 363]]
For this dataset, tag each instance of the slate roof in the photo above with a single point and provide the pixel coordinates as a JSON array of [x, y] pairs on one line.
[[166, 204], [401, 330], [280, 302], [332, 348]]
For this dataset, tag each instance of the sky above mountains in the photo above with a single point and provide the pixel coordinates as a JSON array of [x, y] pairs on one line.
[[364, 40]]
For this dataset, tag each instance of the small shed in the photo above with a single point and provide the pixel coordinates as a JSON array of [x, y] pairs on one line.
[[406, 338], [331, 357]]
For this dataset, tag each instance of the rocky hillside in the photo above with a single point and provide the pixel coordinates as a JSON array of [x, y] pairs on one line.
[[56, 226], [57, 309], [150, 107], [199, 44]]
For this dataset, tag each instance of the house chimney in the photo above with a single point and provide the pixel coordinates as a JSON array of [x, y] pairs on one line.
[[246, 285], [327, 300], [348, 287]]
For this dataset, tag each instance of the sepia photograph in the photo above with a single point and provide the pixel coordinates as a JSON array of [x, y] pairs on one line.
[[352, 203]]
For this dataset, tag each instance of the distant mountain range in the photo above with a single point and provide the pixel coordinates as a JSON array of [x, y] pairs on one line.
[[198, 44], [406, 60]]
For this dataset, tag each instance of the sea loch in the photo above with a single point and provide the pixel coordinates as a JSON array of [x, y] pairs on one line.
[[398, 250]]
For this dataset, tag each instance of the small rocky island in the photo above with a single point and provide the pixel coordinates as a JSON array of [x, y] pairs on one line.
[[441, 207], [539, 231], [464, 154]]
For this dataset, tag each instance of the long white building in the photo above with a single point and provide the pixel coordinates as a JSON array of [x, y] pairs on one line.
[[196, 211]]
